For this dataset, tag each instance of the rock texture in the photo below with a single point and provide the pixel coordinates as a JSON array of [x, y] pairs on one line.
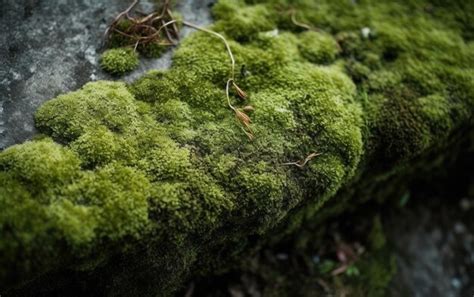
[[52, 47]]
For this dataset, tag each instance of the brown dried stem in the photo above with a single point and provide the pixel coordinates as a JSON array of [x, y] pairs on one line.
[[161, 29], [147, 28], [302, 163], [229, 51], [300, 24], [240, 114]]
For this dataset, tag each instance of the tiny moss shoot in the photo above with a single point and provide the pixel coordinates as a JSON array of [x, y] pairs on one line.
[[119, 61]]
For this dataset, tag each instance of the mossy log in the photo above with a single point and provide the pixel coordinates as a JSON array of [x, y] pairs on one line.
[[131, 188]]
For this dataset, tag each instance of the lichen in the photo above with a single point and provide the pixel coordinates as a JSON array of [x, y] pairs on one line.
[[161, 171]]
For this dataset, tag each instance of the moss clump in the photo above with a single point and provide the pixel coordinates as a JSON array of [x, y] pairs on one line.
[[119, 61], [317, 47], [163, 175], [97, 146], [40, 164], [243, 22], [105, 104], [117, 196]]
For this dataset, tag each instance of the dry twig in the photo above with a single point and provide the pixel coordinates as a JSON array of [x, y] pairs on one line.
[[161, 29], [157, 27], [300, 24], [302, 163]]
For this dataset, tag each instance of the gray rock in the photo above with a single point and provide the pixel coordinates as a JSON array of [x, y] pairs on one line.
[[52, 47]]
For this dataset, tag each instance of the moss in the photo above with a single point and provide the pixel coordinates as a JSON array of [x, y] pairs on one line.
[[255, 183], [119, 60], [377, 238], [167, 161], [243, 22], [96, 147], [106, 104], [378, 269], [159, 172], [376, 273], [152, 50], [42, 166], [151, 87], [24, 228], [119, 40], [78, 223], [119, 195], [317, 47], [435, 110]]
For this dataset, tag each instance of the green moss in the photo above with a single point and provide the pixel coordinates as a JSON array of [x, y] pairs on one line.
[[161, 169], [119, 60], [377, 238], [42, 166], [376, 272], [243, 22], [166, 161], [118, 196], [378, 269], [107, 104], [117, 40], [435, 110], [78, 223], [152, 50], [24, 229], [317, 47], [257, 182], [96, 147], [152, 86]]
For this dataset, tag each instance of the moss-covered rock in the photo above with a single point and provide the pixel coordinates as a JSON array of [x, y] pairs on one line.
[[159, 175]]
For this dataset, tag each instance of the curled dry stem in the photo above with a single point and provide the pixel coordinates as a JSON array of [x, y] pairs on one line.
[[302, 163], [146, 28], [229, 51], [240, 114], [121, 15], [300, 24], [161, 29]]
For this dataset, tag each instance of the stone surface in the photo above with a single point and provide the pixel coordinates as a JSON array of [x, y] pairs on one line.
[[52, 47], [435, 251]]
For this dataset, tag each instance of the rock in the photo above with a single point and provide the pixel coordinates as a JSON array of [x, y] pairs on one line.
[[49, 48]]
